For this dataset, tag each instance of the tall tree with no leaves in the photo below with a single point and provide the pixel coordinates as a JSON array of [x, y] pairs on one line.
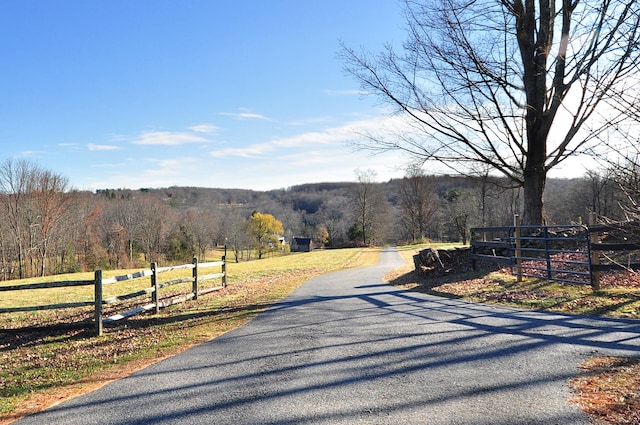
[[418, 202], [519, 85], [51, 202], [368, 208], [33, 201]]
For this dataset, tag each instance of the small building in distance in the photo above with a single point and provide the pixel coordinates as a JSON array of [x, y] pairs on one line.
[[301, 245]]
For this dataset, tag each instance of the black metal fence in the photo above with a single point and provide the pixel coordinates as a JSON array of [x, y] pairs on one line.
[[560, 253], [575, 254]]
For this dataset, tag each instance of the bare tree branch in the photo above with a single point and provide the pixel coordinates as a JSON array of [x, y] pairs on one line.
[[517, 85]]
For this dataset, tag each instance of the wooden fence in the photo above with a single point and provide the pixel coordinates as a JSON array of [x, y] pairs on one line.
[[154, 272]]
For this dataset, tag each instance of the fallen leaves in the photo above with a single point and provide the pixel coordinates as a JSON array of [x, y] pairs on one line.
[[609, 389]]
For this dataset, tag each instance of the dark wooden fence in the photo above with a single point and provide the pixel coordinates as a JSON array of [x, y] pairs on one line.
[[98, 282], [574, 254]]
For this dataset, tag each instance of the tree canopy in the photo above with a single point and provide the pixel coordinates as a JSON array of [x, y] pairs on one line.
[[518, 86], [266, 230]]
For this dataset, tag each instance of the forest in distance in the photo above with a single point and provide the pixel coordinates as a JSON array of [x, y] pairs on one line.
[[49, 231]]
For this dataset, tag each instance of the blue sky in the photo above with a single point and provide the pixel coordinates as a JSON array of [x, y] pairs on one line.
[[211, 93]]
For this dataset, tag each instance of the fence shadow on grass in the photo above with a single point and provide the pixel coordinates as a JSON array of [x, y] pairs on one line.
[[482, 285]]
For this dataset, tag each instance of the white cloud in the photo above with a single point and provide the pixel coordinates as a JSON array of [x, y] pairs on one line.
[[31, 153], [251, 151], [329, 136], [339, 135], [245, 115], [305, 157], [94, 147], [167, 138], [204, 128], [164, 168], [310, 121]]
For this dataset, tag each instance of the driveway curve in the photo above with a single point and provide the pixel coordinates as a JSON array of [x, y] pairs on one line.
[[345, 348]]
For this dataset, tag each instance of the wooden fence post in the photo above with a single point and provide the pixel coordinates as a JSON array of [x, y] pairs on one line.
[[595, 258], [154, 282], [547, 250], [517, 222], [194, 274], [98, 301], [224, 270]]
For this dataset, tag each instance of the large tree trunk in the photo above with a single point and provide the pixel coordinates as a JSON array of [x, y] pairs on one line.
[[534, 40], [533, 189]]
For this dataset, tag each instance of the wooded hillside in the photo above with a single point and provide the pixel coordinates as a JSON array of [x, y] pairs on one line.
[[121, 228]]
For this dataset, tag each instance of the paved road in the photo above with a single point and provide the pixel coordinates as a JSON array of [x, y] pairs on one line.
[[348, 349]]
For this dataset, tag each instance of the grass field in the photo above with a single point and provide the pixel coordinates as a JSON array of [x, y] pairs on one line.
[[41, 367]]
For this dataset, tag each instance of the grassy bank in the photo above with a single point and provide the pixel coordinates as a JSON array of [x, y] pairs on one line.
[[619, 295], [41, 367]]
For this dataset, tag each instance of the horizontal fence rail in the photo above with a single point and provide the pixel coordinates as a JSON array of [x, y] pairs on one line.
[[153, 273], [565, 253], [492, 244], [47, 285], [559, 253], [610, 249]]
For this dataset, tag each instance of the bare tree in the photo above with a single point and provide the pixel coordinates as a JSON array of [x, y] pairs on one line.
[[334, 217], [488, 82], [33, 201], [50, 201], [368, 208], [626, 173], [202, 227], [15, 184], [459, 205], [154, 220], [131, 222], [6, 245], [604, 193], [124, 213], [232, 229], [418, 203]]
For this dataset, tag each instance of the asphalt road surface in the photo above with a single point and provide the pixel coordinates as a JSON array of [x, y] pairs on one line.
[[347, 349]]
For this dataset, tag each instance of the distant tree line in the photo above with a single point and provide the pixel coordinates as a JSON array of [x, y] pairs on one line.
[[48, 228]]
